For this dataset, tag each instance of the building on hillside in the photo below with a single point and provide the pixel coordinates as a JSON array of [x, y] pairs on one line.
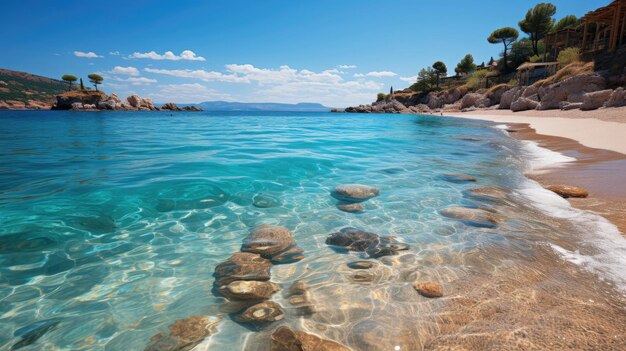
[[604, 30], [530, 72], [568, 37]]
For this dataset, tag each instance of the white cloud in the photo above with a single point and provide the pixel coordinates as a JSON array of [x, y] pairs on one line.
[[412, 79], [116, 86], [287, 84], [89, 54], [129, 71], [377, 74], [187, 93], [136, 80], [168, 55], [114, 53], [346, 66]]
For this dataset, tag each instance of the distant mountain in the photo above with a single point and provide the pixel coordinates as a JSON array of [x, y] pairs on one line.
[[24, 90], [262, 106]]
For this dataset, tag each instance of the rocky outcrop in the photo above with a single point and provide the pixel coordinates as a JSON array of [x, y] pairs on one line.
[[88, 100], [596, 99], [286, 339], [470, 100], [12, 105], [523, 104], [617, 99], [570, 90], [508, 97], [170, 106]]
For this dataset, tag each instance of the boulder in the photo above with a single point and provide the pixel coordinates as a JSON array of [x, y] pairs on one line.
[[243, 266], [567, 191], [353, 239], [495, 94], [170, 106], [596, 99], [134, 101], [268, 240], [76, 106], [67, 100], [286, 339], [184, 334], [116, 99], [566, 106], [458, 177], [472, 216], [244, 290], [483, 103], [523, 104], [106, 105], [470, 100], [261, 313], [355, 192], [571, 90], [508, 97], [617, 99], [350, 207], [433, 101], [429, 289]]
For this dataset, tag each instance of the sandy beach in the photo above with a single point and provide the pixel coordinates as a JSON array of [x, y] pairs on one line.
[[596, 139]]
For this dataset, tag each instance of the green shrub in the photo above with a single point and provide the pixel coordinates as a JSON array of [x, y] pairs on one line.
[[381, 97], [568, 56], [477, 79], [534, 59]]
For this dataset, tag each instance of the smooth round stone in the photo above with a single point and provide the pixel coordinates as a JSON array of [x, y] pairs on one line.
[[429, 289], [567, 191], [285, 339], [353, 239], [291, 255], [488, 192], [350, 207], [248, 290], [265, 201], [184, 334], [268, 240], [458, 177], [471, 216], [361, 265], [355, 192], [362, 277], [243, 266], [261, 313]]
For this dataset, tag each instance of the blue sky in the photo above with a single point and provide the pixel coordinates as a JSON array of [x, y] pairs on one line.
[[338, 53]]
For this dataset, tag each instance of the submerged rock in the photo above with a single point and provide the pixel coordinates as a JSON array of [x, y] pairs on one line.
[[567, 191], [350, 207], [184, 334], [458, 177], [265, 201], [429, 289], [261, 313], [286, 339], [244, 290], [471, 216], [268, 240], [31, 333], [353, 239], [361, 265], [355, 192], [291, 255], [243, 266], [490, 192], [298, 295]]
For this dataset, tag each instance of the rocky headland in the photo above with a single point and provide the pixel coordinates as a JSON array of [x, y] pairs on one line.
[[88, 100], [575, 86]]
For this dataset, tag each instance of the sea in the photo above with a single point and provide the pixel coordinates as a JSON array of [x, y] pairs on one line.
[[112, 223]]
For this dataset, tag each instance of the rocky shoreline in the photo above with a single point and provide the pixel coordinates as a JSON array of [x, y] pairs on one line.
[[96, 101], [587, 91]]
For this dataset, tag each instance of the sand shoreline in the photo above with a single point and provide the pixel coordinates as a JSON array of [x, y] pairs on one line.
[[596, 139]]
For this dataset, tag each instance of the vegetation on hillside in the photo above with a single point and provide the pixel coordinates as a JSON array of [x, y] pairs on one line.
[[20, 86]]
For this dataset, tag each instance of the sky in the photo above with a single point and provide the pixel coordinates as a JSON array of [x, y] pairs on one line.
[[334, 52]]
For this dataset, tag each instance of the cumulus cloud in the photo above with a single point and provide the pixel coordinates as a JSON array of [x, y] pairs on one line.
[[412, 79], [187, 93], [168, 55], [129, 71], [377, 74], [286, 84], [136, 80], [346, 66], [89, 54]]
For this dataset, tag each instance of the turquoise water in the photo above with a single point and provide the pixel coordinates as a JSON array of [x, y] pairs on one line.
[[112, 223]]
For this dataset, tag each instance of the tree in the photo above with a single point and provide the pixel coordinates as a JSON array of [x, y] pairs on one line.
[[521, 51], [491, 61], [391, 91], [70, 79], [567, 21], [506, 36], [381, 97], [537, 23], [82, 87], [440, 70], [466, 65], [95, 79]]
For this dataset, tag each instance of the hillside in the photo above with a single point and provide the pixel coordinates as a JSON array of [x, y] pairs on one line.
[[261, 106], [25, 90]]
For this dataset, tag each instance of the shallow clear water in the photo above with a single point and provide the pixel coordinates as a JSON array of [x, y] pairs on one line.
[[112, 223]]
